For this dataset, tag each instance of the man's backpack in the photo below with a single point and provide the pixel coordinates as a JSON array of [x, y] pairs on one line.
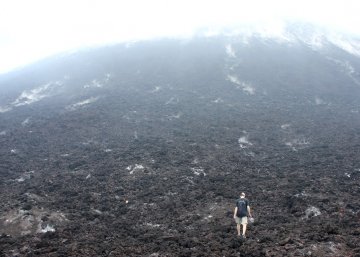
[[241, 205]]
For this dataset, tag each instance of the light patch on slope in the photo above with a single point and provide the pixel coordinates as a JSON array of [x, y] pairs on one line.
[[312, 212], [32, 96], [152, 225], [48, 228], [156, 89], [82, 103], [172, 100], [328, 249], [319, 101], [3, 133], [195, 161], [280, 31], [99, 83], [246, 87], [107, 77], [96, 211], [350, 46], [187, 179], [23, 222], [5, 109], [25, 176], [136, 167], [198, 171], [302, 194], [244, 142], [94, 83], [275, 32], [218, 100], [230, 51], [313, 40], [317, 38], [316, 42], [25, 122], [297, 143], [285, 126], [347, 67], [175, 116]]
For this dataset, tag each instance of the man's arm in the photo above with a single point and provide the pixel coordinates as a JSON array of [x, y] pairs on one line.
[[235, 211], [249, 211]]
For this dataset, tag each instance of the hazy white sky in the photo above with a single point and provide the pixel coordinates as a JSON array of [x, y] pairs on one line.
[[34, 29]]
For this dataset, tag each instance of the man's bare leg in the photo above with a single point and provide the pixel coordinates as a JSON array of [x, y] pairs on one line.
[[238, 229], [244, 229]]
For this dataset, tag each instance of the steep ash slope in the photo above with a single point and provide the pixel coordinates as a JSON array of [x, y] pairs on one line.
[[141, 150]]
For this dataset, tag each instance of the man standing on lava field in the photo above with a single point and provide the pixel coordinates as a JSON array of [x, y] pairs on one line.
[[242, 210]]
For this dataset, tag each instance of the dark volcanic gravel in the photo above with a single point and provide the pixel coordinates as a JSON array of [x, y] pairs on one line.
[[145, 153]]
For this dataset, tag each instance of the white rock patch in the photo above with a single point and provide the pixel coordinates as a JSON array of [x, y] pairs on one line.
[[172, 100], [25, 122], [246, 87], [244, 142], [175, 116], [285, 126], [48, 228], [198, 171], [32, 96], [156, 89], [230, 51], [350, 46], [136, 167], [98, 83], [94, 84], [25, 176], [319, 101], [82, 103], [149, 224], [297, 143], [218, 100], [312, 212], [23, 222], [349, 70], [5, 109], [302, 194], [36, 94]]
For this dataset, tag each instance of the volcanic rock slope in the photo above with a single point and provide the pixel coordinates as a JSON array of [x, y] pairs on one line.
[[142, 149]]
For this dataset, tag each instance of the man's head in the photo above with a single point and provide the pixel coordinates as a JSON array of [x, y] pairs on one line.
[[242, 195]]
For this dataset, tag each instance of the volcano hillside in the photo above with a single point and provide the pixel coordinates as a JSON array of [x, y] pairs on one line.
[[142, 149]]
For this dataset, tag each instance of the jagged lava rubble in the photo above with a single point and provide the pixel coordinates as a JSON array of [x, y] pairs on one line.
[[142, 149]]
